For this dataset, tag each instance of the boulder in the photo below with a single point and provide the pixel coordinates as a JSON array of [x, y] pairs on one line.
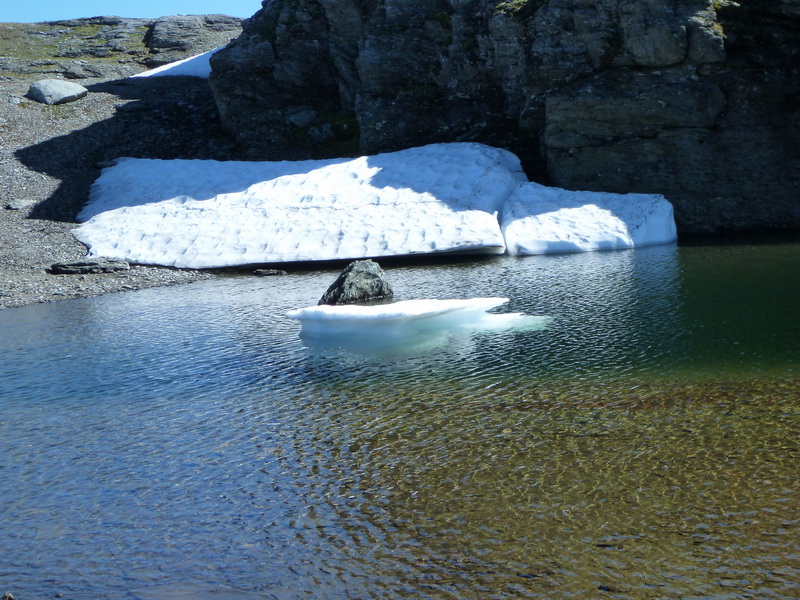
[[360, 281], [86, 69], [19, 203], [89, 265], [56, 91]]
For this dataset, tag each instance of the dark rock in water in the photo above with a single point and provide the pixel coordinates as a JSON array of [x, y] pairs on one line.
[[84, 266], [360, 281], [269, 272]]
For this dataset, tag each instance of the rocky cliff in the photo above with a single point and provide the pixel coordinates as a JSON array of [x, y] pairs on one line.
[[695, 99]]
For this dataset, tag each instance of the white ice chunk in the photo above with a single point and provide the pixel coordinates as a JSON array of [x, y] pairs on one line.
[[204, 214], [408, 318], [194, 66], [542, 220]]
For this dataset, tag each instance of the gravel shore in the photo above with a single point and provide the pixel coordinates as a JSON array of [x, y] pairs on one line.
[[50, 155]]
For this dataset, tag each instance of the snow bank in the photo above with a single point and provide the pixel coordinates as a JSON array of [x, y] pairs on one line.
[[438, 198], [194, 66], [541, 220], [203, 214]]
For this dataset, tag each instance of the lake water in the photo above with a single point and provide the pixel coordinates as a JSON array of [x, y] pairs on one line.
[[185, 442]]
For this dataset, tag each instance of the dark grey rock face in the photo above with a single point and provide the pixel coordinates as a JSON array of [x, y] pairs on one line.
[[360, 281], [695, 99]]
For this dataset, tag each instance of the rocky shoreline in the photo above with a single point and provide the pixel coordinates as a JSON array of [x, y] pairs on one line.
[[50, 155]]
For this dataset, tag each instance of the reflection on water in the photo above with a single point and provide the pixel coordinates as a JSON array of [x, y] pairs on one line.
[[173, 442]]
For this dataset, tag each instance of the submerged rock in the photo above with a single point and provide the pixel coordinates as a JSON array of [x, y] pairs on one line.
[[360, 281]]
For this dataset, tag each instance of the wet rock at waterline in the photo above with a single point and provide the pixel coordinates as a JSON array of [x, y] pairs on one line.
[[360, 281], [56, 91]]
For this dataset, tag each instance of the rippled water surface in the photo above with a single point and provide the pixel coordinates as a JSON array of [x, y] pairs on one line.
[[180, 442]]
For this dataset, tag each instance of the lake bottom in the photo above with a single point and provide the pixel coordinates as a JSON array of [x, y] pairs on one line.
[[183, 443]]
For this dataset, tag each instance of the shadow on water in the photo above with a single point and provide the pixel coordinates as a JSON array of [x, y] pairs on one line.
[[157, 117]]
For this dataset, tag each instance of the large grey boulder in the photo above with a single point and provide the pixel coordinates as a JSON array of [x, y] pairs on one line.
[[360, 281], [693, 99], [56, 91]]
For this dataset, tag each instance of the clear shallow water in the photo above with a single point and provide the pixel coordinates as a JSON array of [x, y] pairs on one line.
[[175, 442]]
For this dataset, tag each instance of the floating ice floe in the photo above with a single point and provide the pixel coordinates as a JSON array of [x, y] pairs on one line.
[[542, 220], [194, 66], [408, 318], [433, 199]]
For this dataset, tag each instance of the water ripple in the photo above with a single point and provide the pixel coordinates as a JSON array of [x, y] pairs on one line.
[[186, 441]]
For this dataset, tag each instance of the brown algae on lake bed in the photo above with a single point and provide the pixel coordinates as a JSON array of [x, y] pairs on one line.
[[644, 491], [643, 445]]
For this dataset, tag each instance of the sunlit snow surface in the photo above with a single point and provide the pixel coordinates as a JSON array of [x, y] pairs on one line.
[[408, 319], [200, 214], [542, 220], [432, 199], [194, 66]]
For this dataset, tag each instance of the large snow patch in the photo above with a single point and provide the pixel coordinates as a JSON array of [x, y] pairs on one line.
[[433, 199], [202, 214]]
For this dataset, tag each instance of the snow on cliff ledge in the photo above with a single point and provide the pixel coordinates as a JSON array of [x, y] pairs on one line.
[[460, 197]]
